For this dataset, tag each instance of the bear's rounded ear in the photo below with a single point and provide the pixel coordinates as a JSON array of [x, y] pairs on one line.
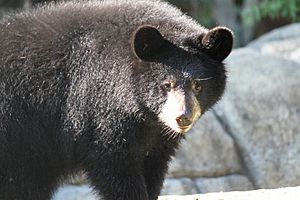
[[217, 43], [146, 42]]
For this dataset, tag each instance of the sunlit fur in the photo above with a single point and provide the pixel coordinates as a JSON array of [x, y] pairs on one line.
[[81, 89], [178, 103]]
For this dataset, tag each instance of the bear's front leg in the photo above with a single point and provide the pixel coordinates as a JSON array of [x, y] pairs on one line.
[[156, 166], [155, 170], [118, 178]]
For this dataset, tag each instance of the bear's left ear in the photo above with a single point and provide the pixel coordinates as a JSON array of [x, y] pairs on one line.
[[217, 43], [146, 42]]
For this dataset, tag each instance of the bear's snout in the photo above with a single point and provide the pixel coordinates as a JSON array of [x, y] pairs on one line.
[[184, 121]]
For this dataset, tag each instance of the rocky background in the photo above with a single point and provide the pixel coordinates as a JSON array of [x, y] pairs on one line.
[[251, 138]]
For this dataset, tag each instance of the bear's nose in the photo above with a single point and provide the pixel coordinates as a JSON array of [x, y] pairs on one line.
[[184, 121]]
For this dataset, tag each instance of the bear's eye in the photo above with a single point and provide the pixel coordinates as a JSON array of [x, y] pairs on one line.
[[169, 85], [196, 85]]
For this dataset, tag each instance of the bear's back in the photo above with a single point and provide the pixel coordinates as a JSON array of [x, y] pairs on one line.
[[39, 47], [57, 24]]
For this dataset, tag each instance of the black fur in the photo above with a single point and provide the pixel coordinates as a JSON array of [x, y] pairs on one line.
[[80, 91]]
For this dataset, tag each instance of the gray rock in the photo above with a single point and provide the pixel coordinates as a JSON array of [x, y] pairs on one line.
[[291, 193], [283, 42], [179, 186], [261, 108], [207, 151], [234, 182], [286, 32], [288, 48], [295, 55]]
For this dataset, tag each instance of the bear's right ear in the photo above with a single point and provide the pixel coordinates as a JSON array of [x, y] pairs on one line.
[[217, 43], [146, 42]]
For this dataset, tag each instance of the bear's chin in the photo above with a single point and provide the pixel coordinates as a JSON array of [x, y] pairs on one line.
[[186, 129], [182, 130], [176, 130]]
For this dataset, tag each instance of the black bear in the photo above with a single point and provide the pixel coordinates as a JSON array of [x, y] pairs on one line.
[[108, 87]]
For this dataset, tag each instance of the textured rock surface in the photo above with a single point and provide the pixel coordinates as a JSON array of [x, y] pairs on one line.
[[207, 151], [262, 111], [287, 32], [284, 42], [292, 193], [234, 182], [288, 48], [179, 186]]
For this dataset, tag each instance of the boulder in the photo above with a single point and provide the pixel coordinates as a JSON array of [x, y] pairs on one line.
[[287, 48], [290, 31], [274, 194], [283, 42], [207, 151], [179, 186], [261, 110], [233, 182]]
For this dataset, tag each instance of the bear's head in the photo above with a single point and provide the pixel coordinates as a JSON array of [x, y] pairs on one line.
[[178, 83]]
